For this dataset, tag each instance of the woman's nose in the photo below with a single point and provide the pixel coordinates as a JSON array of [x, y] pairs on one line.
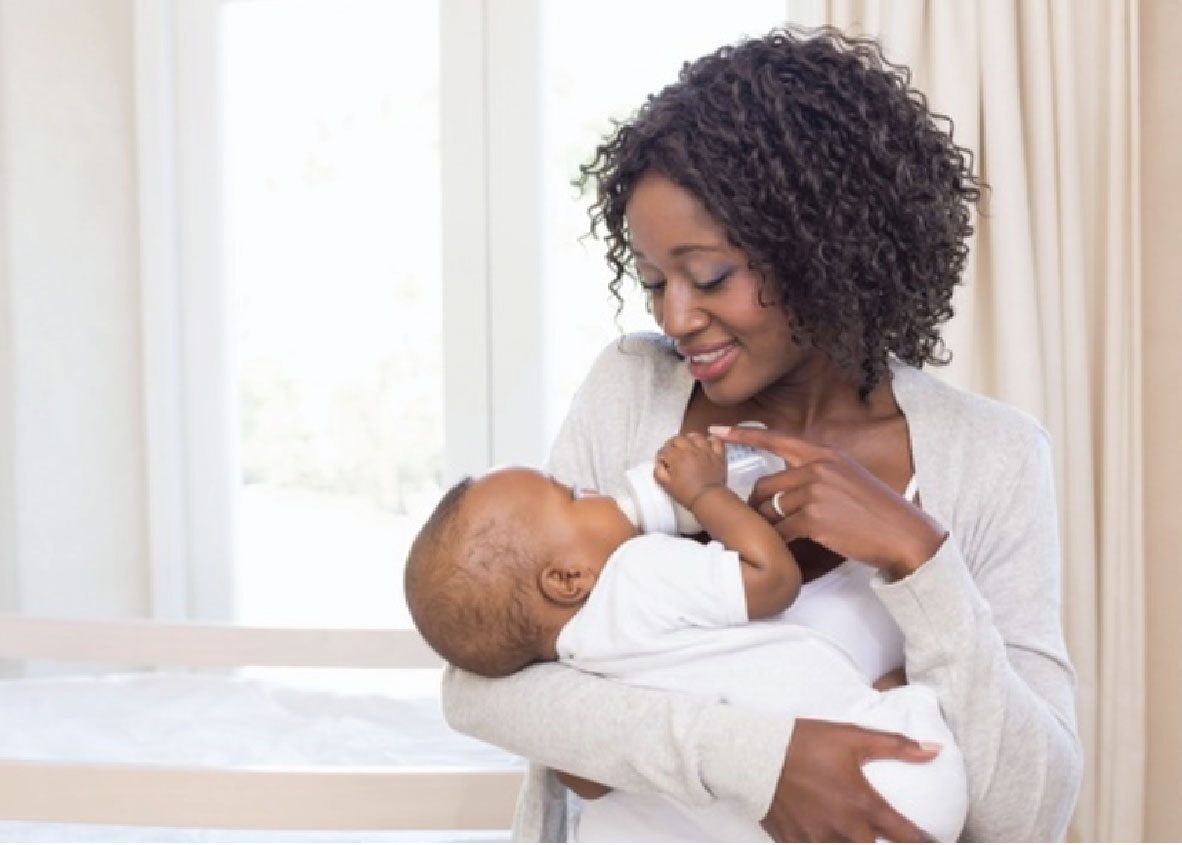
[[678, 313]]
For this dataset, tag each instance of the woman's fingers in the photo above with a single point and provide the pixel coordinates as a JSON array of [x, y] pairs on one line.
[[826, 472], [783, 503], [795, 512], [883, 745], [794, 450], [891, 826], [823, 795], [887, 822]]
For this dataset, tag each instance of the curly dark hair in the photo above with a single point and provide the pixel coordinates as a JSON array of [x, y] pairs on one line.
[[828, 170]]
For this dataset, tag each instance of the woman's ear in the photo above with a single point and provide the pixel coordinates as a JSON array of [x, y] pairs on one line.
[[566, 584]]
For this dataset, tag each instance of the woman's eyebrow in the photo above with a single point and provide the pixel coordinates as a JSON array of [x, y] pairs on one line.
[[683, 249]]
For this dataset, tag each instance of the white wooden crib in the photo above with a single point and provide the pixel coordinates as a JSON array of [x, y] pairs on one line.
[[459, 795]]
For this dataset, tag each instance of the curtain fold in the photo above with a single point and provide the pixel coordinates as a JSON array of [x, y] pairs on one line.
[[1044, 92]]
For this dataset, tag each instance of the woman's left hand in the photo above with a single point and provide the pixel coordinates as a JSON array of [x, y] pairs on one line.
[[830, 498]]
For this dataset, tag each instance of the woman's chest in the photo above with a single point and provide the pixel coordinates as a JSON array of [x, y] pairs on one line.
[[842, 605], [880, 443]]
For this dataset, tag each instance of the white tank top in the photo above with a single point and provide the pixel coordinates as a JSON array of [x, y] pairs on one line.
[[842, 605]]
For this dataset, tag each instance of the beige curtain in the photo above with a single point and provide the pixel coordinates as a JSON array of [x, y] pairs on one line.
[[1045, 93]]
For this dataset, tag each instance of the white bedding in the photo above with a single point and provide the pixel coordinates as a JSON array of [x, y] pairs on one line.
[[223, 720]]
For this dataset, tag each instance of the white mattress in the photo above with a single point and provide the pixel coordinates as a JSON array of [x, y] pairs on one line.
[[223, 720]]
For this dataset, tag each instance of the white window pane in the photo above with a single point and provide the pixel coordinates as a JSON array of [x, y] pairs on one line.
[[330, 155], [595, 69]]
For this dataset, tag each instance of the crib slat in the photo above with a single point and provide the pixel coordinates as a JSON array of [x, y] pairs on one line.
[[149, 642], [256, 799]]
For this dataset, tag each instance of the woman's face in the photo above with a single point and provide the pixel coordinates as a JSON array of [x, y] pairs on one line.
[[705, 297]]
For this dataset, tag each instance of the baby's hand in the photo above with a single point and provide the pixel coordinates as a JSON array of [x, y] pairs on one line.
[[689, 463]]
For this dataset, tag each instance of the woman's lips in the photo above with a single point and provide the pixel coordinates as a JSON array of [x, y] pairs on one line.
[[712, 365]]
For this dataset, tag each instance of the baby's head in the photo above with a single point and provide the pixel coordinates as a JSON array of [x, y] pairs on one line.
[[503, 562]]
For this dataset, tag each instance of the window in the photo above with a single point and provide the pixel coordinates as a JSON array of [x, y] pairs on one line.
[[379, 280], [330, 121]]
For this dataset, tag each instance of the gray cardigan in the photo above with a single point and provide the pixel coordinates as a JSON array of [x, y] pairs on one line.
[[981, 621]]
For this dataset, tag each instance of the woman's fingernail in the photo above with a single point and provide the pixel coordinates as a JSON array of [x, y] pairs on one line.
[[719, 430], [931, 746]]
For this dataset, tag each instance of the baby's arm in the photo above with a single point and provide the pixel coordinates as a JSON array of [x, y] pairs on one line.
[[692, 469]]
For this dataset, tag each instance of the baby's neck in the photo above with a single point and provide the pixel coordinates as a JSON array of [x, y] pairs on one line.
[[551, 628]]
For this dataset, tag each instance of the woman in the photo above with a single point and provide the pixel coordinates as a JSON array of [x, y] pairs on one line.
[[799, 221]]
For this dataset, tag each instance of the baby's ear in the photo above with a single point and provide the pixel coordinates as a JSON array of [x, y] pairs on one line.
[[565, 584]]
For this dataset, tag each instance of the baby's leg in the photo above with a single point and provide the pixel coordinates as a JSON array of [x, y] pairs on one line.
[[934, 795]]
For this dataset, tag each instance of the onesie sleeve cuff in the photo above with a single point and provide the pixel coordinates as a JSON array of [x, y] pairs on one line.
[[742, 756]]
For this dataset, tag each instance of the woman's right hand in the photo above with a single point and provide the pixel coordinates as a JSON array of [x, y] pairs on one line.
[[822, 795], [826, 495]]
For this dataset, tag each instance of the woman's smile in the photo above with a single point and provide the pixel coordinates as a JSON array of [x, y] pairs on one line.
[[708, 364]]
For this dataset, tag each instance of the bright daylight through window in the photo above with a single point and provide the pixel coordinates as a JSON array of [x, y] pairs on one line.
[[330, 113]]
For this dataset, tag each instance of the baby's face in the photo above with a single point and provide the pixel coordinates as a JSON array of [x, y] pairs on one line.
[[563, 521]]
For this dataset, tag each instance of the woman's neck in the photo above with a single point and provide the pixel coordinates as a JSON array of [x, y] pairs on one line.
[[815, 400], [818, 393]]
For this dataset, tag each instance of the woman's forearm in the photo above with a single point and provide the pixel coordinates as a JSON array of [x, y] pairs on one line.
[[983, 629], [640, 740], [1009, 705]]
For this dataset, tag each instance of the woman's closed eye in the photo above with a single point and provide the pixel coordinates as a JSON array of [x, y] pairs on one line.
[[653, 286], [714, 282]]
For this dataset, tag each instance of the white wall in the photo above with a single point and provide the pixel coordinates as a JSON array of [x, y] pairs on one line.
[[71, 432]]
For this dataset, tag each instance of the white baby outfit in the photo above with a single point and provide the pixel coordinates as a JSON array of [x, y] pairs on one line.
[[670, 613]]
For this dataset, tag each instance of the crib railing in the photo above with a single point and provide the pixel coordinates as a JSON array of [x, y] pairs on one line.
[[147, 642], [386, 798]]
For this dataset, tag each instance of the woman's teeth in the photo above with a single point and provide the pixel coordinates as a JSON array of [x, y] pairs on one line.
[[709, 357]]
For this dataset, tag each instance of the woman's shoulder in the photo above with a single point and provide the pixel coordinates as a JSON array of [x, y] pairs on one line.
[[959, 412], [969, 450], [642, 361]]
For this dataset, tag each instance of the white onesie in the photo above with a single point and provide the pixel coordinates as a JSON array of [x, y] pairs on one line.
[[671, 613]]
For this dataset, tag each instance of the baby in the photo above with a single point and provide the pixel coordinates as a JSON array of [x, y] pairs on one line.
[[514, 568]]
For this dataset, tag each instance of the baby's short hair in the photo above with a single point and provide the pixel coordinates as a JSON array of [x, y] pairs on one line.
[[467, 581]]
